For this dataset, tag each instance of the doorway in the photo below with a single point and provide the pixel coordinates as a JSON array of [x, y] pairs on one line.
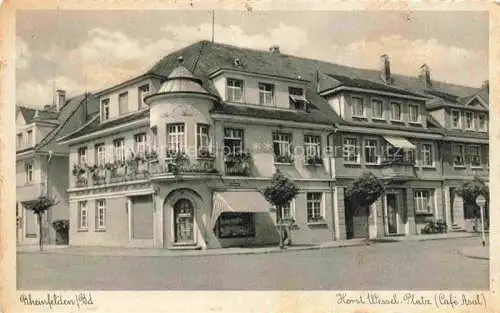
[[183, 222], [392, 213]]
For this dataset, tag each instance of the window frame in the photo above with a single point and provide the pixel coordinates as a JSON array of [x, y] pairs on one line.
[[127, 109], [432, 153], [142, 94], [479, 155], [19, 142], [200, 136], [263, 93], [119, 150], [179, 136], [466, 113], [485, 127], [280, 212], [419, 116], [453, 146], [29, 136], [353, 107], [381, 102], [459, 122], [233, 89], [400, 119], [140, 147], [100, 155], [233, 137], [28, 173], [83, 207], [423, 203], [82, 158], [376, 150], [346, 153], [312, 146], [105, 114], [278, 138], [100, 204], [315, 218]]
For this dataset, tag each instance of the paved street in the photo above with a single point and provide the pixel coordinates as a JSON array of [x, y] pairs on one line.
[[426, 265]]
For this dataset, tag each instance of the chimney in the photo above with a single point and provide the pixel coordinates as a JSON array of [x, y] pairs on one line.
[[275, 49], [486, 86], [61, 99], [385, 69], [425, 76]]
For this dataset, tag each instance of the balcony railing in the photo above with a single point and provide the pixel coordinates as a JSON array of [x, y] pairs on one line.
[[398, 167], [238, 165]]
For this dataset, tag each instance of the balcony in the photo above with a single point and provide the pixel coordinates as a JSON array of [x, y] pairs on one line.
[[238, 165]]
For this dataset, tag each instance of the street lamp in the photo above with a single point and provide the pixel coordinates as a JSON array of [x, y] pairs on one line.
[[481, 201]]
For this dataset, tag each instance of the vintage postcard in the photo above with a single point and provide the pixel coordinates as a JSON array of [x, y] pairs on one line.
[[248, 157]]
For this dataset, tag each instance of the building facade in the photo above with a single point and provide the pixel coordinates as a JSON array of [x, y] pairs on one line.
[[177, 157]]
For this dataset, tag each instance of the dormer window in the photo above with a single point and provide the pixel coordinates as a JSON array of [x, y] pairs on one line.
[[469, 120], [143, 92], [455, 119], [234, 90], [105, 109], [413, 113], [297, 99], [266, 94], [377, 109], [123, 103], [358, 107]]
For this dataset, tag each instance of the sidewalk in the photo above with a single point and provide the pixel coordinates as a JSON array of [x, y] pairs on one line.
[[452, 235], [151, 252], [476, 252]]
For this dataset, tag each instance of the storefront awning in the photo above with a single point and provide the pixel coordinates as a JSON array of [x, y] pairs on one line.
[[239, 201], [399, 142]]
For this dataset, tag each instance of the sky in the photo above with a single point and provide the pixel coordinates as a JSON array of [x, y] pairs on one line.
[[82, 51]]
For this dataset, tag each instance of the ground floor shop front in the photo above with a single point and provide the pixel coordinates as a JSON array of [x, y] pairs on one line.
[[200, 214]]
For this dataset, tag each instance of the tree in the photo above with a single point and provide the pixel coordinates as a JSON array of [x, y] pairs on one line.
[[365, 190], [39, 207], [470, 190], [279, 194]]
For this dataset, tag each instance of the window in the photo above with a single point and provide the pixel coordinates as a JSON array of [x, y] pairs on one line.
[[82, 215], [377, 109], [233, 141], [266, 94], [119, 150], [100, 218], [395, 111], [469, 120], [358, 107], [154, 140], [104, 109], [351, 152], [202, 140], [296, 97], [458, 154], [282, 146], [82, 155], [175, 139], [29, 135], [474, 155], [414, 113], [234, 90], [312, 146], [427, 154], [286, 212], [143, 92], [140, 144], [314, 204], [423, 201], [28, 171], [455, 119], [123, 103], [371, 151], [482, 122], [100, 154], [19, 140]]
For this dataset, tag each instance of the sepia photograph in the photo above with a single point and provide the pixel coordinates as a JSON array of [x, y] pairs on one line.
[[205, 150]]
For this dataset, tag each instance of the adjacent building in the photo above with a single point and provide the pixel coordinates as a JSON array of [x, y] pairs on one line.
[[176, 158], [42, 164]]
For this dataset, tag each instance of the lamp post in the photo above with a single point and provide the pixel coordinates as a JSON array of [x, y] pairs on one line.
[[481, 201]]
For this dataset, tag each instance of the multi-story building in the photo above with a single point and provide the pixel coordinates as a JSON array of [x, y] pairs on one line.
[[42, 164], [176, 157]]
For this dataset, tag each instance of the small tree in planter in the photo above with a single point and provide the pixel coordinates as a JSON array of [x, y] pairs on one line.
[[39, 207], [470, 190], [364, 191], [279, 194], [62, 231]]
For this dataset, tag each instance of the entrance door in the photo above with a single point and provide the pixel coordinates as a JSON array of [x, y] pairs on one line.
[[392, 213], [183, 220], [452, 211]]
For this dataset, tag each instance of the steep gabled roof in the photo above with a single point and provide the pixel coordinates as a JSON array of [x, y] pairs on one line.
[[30, 114]]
